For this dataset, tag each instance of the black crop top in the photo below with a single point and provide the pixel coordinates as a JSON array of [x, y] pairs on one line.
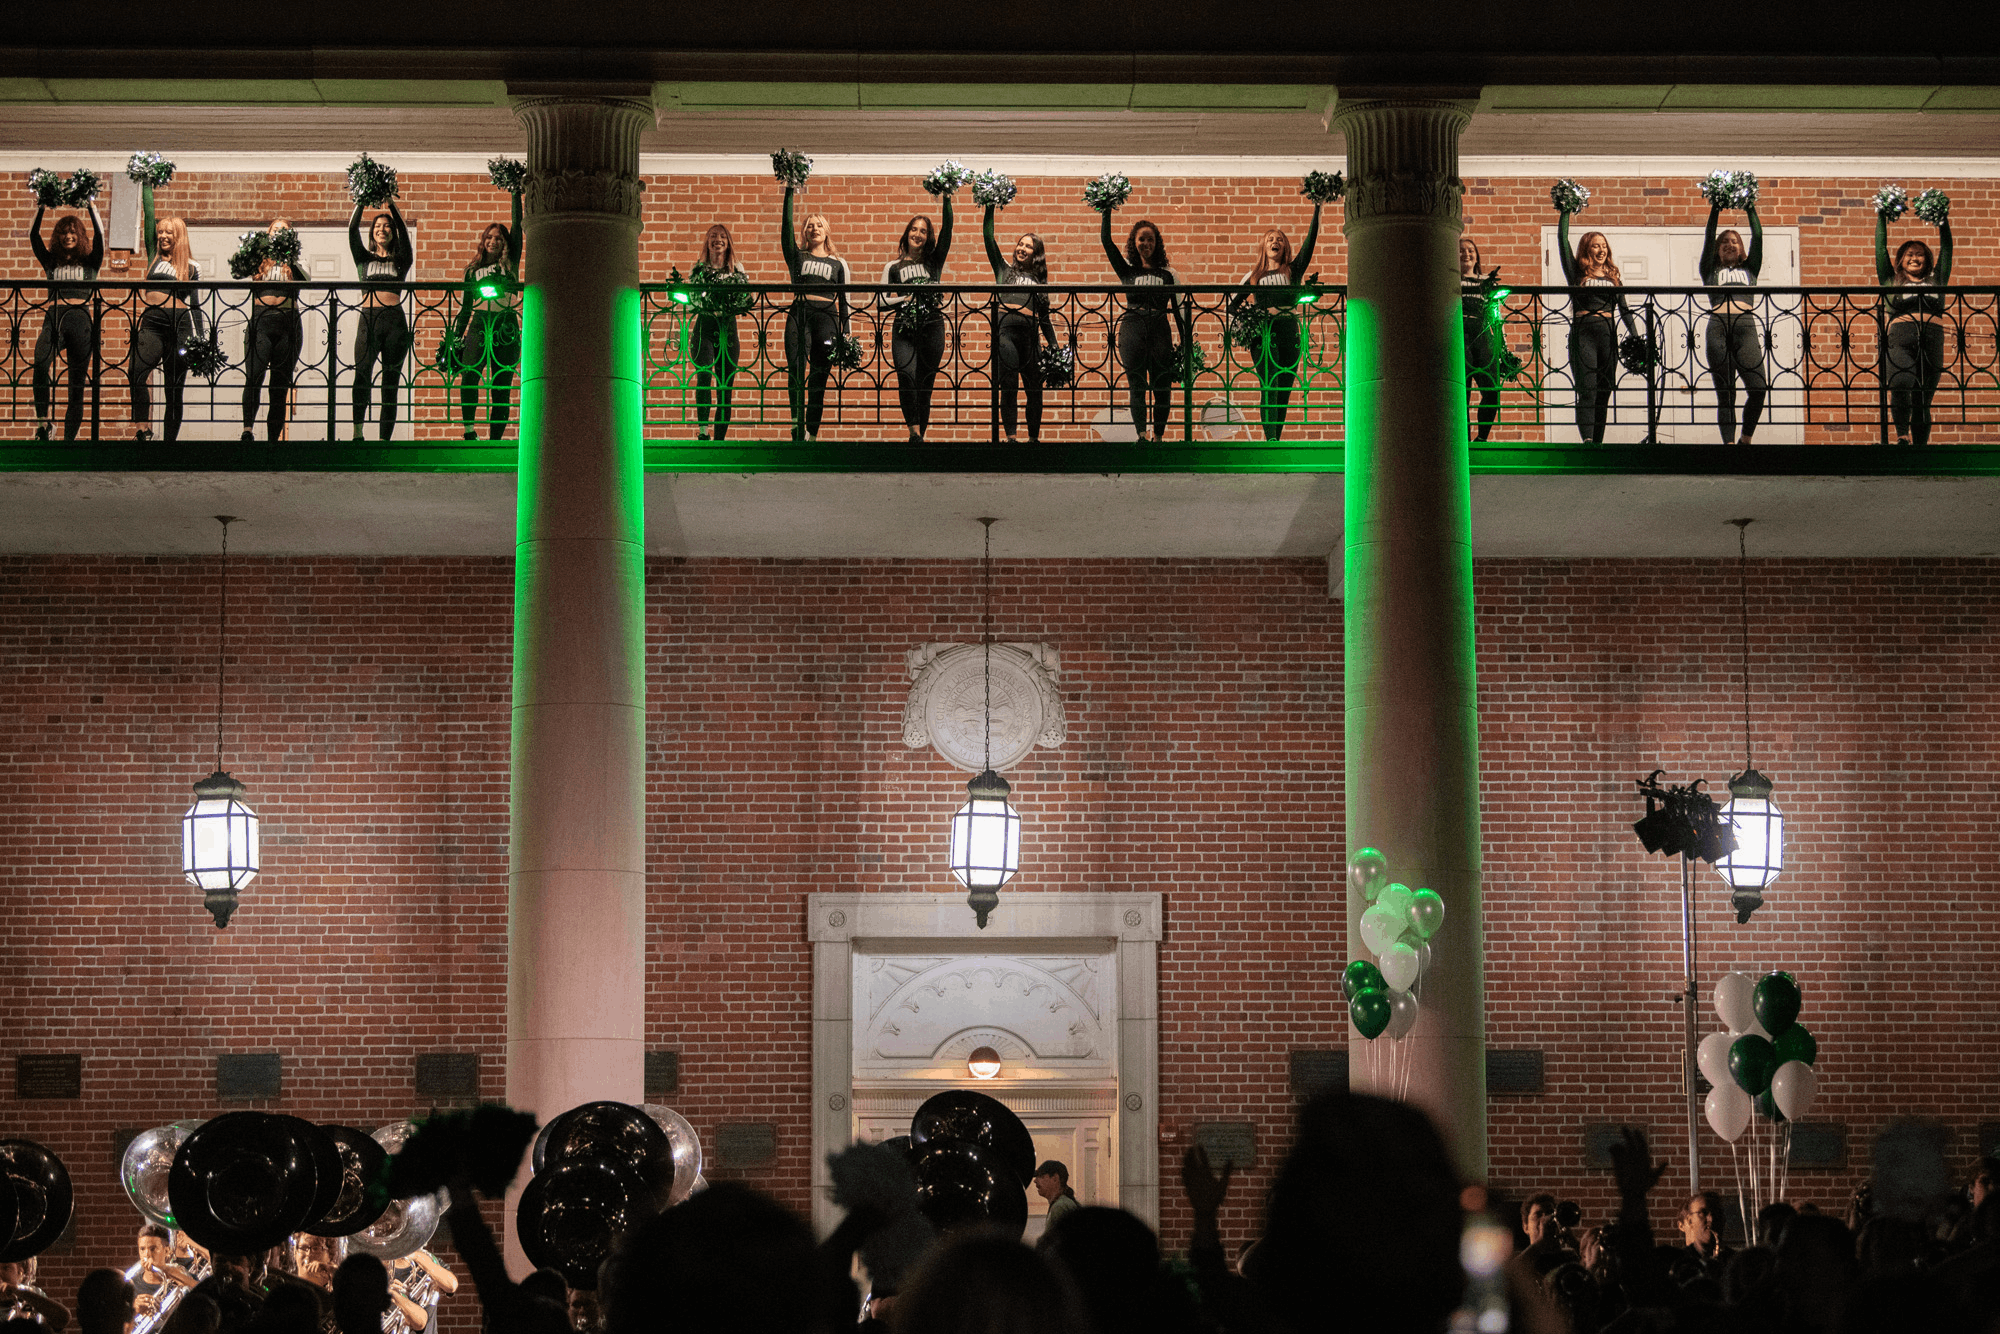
[[1906, 299], [1020, 295], [1271, 290], [1150, 299], [809, 270], [904, 269], [377, 270], [1715, 274], [1592, 299], [80, 270]]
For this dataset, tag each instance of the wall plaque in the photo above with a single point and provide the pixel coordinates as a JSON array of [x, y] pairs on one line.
[[447, 1074], [947, 707], [663, 1073], [1514, 1070], [241, 1076], [1316, 1071], [1228, 1142], [746, 1145], [1819, 1144], [48, 1075]]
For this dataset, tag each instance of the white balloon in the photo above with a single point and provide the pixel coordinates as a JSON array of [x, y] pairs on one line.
[[1379, 928], [1399, 966], [1733, 1002], [1713, 1056], [1398, 897], [1728, 1109], [1424, 959], [1794, 1088], [1402, 1014]]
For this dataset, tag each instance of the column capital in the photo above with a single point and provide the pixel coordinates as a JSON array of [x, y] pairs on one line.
[[1402, 156], [583, 149]]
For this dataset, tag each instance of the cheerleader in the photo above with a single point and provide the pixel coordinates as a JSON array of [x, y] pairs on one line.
[[495, 346], [1023, 322], [1593, 341], [382, 265], [1735, 341], [170, 321], [1916, 326], [918, 342], [1483, 344], [1280, 344], [68, 324], [272, 341], [1145, 339], [817, 318]]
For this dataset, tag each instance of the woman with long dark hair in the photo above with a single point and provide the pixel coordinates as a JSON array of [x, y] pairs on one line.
[[1916, 326], [1735, 338], [272, 341], [1280, 342], [1483, 343], [169, 321], [1145, 337], [1593, 339], [918, 339], [817, 318], [1023, 320], [382, 264], [67, 325], [493, 349]]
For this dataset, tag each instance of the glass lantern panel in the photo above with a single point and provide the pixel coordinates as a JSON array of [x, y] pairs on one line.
[[219, 844], [1760, 843], [985, 843]]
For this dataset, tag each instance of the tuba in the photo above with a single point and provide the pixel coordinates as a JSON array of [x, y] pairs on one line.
[[41, 1196]]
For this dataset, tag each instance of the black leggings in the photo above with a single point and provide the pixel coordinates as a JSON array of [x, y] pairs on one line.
[[718, 352], [384, 334], [1482, 367], [1017, 355], [1593, 363], [1736, 347], [272, 344], [489, 350], [1277, 358], [68, 325], [158, 341], [918, 354], [1146, 351], [1916, 364], [810, 329]]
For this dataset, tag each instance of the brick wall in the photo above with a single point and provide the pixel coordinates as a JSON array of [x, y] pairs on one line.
[[368, 716]]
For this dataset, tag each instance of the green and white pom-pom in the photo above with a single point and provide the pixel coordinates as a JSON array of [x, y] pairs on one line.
[[1729, 189], [369, 182], [82, 187], [1248, 323], [1568, 196], [848, 353], [1323, 187], [251, 248], [282, 245], [47, 188], [992, 190], [1189, 362], [1107, 192], [947, 177], [204, 358], [1933, 206], [509, 174], [725, 295], [793, 170], [920, 309], [149, 169], [1058, 366], [1892, 202]]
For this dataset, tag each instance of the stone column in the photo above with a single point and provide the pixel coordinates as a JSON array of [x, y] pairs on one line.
[[576, 913], [1412, 726]]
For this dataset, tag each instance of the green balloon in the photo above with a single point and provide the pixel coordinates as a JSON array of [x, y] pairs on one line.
[[1752, 1061], [1361, 975], [1371, 1012], [1767, 1107], [1426, 913], [1796, 1044], [1775, 1002]]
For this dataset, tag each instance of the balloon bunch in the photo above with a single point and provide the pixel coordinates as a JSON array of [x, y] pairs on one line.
[[1763, 1063], [1397, 927], [601, 1170], [35, 1199], [973, 1160]]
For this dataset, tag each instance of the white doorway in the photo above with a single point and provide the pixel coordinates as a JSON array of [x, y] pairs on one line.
[[1684, 393]]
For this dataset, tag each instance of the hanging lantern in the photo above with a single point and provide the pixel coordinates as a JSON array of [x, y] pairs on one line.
[[219, 843], [1760, 842], [985, 842]]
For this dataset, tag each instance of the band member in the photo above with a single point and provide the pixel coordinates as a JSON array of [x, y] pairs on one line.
[[21, 1299], [156, 1277], [67, 325]]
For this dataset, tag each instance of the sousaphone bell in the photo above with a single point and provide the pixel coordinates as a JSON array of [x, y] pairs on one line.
[[40, 1199]]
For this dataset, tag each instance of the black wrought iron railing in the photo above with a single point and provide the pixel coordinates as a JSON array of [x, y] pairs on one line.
[[718, 365]]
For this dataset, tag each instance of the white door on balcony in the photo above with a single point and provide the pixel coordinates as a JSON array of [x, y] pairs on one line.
[[1684, 391]]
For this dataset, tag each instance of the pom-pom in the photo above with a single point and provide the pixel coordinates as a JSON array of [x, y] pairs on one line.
[[1107, 192], [920, 309], [483, 1145], [793, 170], [724, 295], [1568, 196], [992, 190], [1506, 365], [203, 357], [1058, 366], [848, 353], [251, 248], [506, 173], [1189, 362], [1638, 355], [947, 177], [46, 187], [82, 187], [282, 245], [369, 182], [1933, 206], [1729, 189], [1248, 322], [149, 169], [1892, 202], [1323, 187]]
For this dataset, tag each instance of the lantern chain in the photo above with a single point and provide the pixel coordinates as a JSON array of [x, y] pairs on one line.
[[221, 635], [1743, 614]]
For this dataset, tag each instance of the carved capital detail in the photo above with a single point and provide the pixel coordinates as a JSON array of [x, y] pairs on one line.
[[574, 191], [583, 153], [1402, 158]]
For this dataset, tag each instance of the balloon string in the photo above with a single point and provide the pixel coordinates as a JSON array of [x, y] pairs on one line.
[[1742, 1201]]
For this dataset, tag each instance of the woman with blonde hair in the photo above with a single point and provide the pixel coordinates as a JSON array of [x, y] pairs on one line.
[[1593, 340], [817, 318], [170, 321], [1280, 343]]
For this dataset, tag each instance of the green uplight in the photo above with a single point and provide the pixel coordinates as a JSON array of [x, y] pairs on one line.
[[492, 289], [1499, 294], [681, 296], [1308, 296]]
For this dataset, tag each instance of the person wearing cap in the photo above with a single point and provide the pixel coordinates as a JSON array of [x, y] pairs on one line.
[[1052, 1184]]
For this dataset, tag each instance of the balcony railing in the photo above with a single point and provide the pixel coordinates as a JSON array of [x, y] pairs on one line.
[[1824, 352]]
